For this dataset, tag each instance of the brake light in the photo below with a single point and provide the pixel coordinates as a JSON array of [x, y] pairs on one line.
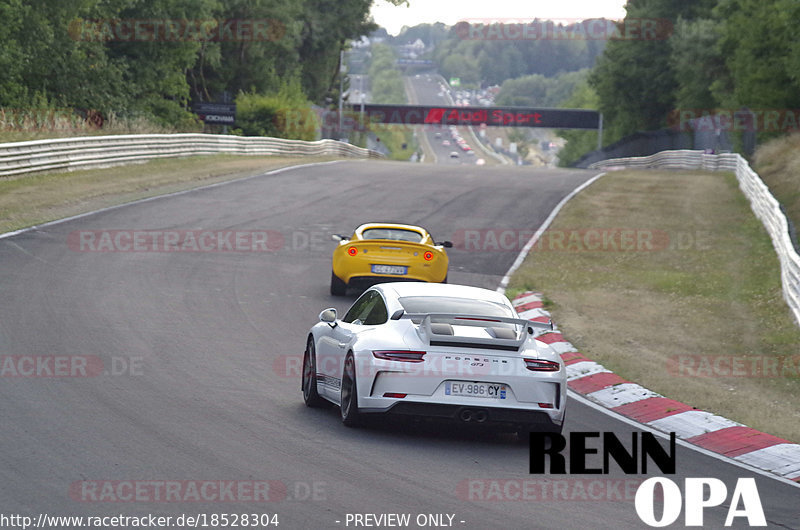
[[352, 251], [546, 405], [395, 395], [428, 256], [401, 355], [540, 365]]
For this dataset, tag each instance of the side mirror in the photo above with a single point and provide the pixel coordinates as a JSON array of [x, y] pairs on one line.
[[328, 316], [446, 244], [337, 237]]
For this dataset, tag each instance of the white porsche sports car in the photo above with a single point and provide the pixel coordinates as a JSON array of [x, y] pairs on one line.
[[435, 350]]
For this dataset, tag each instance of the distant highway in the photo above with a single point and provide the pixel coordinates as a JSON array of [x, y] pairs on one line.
[[428, 90]]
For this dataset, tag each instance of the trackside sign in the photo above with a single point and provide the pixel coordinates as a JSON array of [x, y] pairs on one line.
[[491, 116], [216, 113]]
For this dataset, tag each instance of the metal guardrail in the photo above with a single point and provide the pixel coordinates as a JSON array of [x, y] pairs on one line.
[[103, 151], [763, 204]]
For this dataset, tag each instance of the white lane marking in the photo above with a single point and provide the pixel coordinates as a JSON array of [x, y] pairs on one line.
[[27, 253], [547, 222]]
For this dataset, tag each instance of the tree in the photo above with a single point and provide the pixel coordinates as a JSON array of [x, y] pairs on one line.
[[695, 58], [759, 43], [578, 142], [539, 91], [385, 80], [635, 79]]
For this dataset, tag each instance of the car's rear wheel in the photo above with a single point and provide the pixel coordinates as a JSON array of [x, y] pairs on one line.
[[338, 287], [349, 400], [310, 395]]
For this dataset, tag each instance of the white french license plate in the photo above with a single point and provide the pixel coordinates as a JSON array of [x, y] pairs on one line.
[[397, 270], [484, 390]]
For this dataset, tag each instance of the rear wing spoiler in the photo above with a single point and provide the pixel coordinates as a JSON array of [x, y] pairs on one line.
[[436, 329]]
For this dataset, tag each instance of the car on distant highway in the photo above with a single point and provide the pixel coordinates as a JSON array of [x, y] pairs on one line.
[[446, 143], [446, 352], [387, 252], [453, 154]]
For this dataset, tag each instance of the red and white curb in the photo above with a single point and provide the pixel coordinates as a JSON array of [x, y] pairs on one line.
[[703, 429]]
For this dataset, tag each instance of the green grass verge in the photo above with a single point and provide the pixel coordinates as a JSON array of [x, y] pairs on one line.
[[778, 163], [704, 284]]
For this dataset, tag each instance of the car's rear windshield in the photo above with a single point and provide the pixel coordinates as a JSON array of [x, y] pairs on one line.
[[462, 306], [395, 234]]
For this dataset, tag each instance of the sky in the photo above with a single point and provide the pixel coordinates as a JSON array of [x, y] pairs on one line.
[[393, 18]]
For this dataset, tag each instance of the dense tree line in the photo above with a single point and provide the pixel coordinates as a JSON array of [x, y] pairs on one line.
[[151, 58], [385, 79], [540, 91], [490, 54], [430, 34], [722, 54], [707, 56]]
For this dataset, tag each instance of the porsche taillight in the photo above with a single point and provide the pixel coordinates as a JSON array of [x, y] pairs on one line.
[[428, 256], [352, 251], [541, 365], [400, 355]]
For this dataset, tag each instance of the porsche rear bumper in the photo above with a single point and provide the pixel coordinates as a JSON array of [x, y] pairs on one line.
[[474, 415]]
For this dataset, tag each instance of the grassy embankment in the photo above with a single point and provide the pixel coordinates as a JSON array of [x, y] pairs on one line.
[[27, 200], [778, 164], [707, 286]]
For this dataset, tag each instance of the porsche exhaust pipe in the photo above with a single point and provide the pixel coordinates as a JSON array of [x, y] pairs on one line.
[[468, 415]]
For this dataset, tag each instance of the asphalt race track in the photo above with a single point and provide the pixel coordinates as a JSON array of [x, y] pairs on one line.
[[200, 351]]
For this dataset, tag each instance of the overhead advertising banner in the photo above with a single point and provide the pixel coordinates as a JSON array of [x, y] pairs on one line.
[[478, 116]]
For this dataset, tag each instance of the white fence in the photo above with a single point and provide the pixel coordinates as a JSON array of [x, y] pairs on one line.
[[764, 205], [103, 151]]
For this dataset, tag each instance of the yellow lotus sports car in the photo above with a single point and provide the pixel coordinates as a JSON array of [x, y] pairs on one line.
[[380, 252]]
